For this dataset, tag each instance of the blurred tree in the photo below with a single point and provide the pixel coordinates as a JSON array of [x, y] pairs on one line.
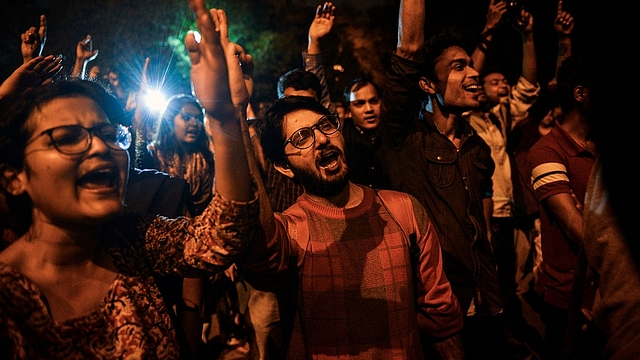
[[273, 31]]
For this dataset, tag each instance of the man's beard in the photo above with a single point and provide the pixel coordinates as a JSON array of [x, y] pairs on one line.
[[314, 185]]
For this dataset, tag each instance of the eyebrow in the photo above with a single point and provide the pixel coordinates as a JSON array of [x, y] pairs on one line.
[[190, 115], [462, 61]]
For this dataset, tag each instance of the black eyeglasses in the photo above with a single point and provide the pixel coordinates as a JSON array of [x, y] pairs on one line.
[[76, 139], [306, 136]]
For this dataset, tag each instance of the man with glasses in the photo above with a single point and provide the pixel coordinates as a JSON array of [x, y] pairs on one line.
[[358, 271]]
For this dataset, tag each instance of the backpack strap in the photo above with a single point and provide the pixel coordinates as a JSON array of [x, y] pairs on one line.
[[404, 219], [288, 299]]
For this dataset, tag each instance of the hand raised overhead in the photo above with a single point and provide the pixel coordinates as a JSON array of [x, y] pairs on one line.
[[33, 40], [216, 79], [209, 76], [35, 72], [323, 21], [563, 23], [239, 65]]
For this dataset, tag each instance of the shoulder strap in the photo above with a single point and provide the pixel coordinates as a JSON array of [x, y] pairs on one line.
[[402, 217], [289, 298]]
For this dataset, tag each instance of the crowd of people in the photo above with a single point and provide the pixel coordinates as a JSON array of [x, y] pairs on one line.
[[448, 213]]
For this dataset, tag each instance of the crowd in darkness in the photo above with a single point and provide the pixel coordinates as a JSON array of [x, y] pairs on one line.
[[474, 204]]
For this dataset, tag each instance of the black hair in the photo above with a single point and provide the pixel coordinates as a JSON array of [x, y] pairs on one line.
[[571, 73], [15, 131], [355, 85], [164, 138], [300, 80], [434, 47], [269, 128], [16, 109], [489, 70]]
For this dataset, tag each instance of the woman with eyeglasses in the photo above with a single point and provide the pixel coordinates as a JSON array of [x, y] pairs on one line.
[[78, 282], [182, 148]]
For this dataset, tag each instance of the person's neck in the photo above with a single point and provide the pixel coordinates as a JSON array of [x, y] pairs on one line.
[[576, 125], [447, 124], [351, 196], [61, 246]]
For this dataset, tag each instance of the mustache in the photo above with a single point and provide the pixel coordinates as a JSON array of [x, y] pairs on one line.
[[329, 149]]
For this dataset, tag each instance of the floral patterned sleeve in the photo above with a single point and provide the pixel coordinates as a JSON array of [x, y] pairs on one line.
[[211, 241]]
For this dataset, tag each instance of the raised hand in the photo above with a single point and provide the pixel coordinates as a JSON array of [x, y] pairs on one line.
[[323, 21], [216, 73], [209, 77], [35, 72], [33, 40], [495, 14], [563, 23], [85, 51], [524, 22], [240, 66]]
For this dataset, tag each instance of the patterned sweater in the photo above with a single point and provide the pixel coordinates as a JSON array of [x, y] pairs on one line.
[[361, 293]]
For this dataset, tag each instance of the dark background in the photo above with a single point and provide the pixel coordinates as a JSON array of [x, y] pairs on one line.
[[274, 31]]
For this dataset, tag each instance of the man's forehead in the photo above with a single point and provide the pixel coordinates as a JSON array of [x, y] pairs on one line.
[[452, 54], [364, 93], [299, 119], [493, 76]]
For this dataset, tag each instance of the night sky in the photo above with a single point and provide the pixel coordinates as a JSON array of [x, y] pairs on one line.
[[467, 15]]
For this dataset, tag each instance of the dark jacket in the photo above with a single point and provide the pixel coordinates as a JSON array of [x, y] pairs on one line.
[[450, 183]]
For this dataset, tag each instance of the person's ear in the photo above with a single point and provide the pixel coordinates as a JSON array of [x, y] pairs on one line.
[[579, 93], [427, 85], [284, 169], [11, 180]]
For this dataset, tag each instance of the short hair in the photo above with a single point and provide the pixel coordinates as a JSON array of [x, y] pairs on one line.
[[269, 127], [300, 80], [489, 70], [434, 47], [571, 73], [355, 85]]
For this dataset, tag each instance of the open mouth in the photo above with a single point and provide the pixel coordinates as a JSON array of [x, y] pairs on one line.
[[472, 88], [329, 159], [100, 178]]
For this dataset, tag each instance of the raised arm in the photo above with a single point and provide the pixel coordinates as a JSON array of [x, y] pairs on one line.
[[210, 79], [524, 25], [401, 97], [35, 72], [411, 29], [241, 85], [320, 26], [495, 13], [312, 58], [563, 25], [33, 41], [84, 54]]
